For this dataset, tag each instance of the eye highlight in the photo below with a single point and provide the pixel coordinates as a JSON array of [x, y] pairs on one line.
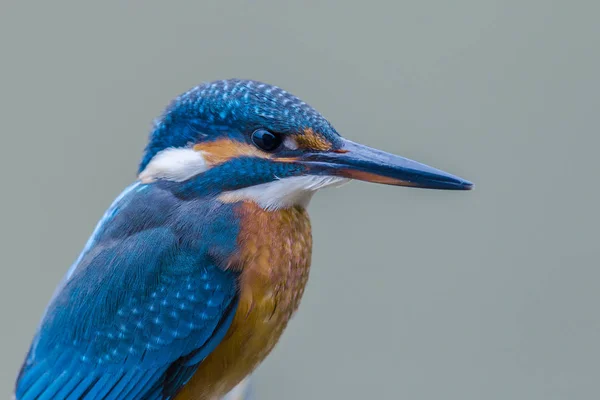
[[265, 140]]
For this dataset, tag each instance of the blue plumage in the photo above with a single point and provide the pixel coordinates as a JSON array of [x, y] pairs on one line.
[[232, 107], [234, 175], [157, 285], [146, 301]]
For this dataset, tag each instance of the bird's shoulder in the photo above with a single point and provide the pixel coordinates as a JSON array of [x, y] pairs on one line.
[[149, 294], [143, 207]]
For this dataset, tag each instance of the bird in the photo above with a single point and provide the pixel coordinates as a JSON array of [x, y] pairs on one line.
[[192, 274]]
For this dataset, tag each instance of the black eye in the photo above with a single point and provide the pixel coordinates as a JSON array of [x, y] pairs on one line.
[[266, 140]]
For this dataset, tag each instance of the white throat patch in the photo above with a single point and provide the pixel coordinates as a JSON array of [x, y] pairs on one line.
[[180, 164], [283, 193]]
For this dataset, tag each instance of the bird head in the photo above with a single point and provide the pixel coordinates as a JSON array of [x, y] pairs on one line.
[[247, 140]]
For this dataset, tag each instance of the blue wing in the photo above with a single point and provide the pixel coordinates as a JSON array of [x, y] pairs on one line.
[[144, 304]]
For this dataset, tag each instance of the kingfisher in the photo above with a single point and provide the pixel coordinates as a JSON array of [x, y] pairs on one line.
[[191, 276]]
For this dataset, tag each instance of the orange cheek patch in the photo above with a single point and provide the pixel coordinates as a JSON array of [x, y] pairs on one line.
[[312, 141], [223, 150]]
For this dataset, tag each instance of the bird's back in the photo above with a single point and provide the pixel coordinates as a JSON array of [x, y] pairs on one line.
[[146, 301]]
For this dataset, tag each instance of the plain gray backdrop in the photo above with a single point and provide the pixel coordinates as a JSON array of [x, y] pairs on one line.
[[414, 294]]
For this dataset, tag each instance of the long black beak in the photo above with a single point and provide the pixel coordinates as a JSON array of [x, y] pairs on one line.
[[356, 161]]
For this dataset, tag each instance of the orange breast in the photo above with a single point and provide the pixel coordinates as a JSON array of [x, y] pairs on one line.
[[275, 251]]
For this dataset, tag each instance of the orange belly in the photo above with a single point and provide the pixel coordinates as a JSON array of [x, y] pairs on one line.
[[274, 260]]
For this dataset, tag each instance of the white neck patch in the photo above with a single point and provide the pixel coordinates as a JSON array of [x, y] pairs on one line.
[[283, 193], [174, 164]]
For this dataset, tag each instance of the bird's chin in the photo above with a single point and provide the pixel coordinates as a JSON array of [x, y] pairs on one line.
[[284, 192]]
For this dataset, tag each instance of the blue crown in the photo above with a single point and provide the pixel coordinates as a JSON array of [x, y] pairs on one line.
[[203, 112]]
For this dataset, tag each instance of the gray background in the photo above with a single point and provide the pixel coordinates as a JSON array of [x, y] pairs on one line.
[[414, 294]]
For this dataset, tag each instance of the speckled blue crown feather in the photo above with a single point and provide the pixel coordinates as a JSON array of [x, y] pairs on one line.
[[237, 104]]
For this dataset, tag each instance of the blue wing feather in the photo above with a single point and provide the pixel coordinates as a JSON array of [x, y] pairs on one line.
[[144, 304]]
